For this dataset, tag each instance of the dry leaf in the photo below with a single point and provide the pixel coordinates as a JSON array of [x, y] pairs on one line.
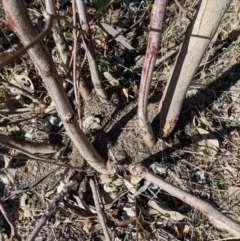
[[234, 192], [91, 123], [102, 4], [116, 35], [205, 142], [155, 208], [125, 92], [111, 79], [11, 174], [110, 166], [27, 210], [24, 82], [181, 229]]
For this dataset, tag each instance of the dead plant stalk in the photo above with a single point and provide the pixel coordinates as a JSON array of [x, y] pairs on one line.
[[198, 36], [157, 17], [18, 19]]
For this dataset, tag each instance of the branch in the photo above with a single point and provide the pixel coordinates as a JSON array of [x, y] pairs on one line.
[[147, 71], [92, 61], [18, 19], [99, 211], [30, 146], [198, 36], [52, 209], [64, 50], [218, 219]]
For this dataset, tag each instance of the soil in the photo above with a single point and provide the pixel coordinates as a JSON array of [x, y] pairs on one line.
[[205, 167]]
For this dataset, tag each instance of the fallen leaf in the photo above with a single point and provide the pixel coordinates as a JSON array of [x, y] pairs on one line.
[[125, 92], [102, 4], [24, 82], [155, 208], [181, 229], [116, 35], [27, 210], [205, 142], [234, 192], [91, 123], [111, 79]]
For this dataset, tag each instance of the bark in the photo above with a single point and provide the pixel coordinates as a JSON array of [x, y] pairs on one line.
[[218, 219], [198, 36], [147, 71], [18, 19]]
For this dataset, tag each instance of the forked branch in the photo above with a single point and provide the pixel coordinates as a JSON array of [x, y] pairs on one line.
[[18, 19], [218, 219]]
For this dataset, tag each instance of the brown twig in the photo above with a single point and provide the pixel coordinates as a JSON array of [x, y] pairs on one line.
[[99, 211], [76, 83], [30, 146], [168, 55], [9, 59], [11, 224], [15, 111], [58, 35], [52, 208], [45, 160], [218, 219], [147, 70]]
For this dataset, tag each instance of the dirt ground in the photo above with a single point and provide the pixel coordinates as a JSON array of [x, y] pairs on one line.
[[205, 167]]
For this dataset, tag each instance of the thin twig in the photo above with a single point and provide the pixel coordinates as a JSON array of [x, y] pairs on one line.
[[43, 161], [168, 55], [52, 209], [30, 146], [64, 50], [91, 55], [99, 210]]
